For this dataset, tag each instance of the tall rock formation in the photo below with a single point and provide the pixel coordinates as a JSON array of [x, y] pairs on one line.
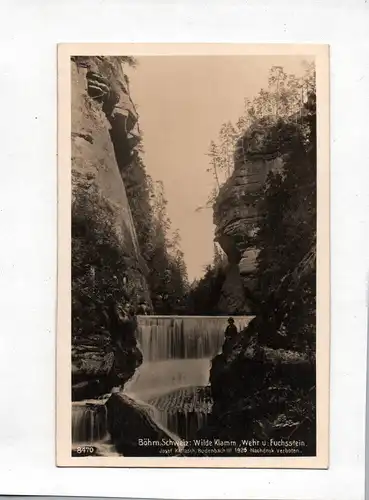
[[263, 383], [237, 211], [108, 272]]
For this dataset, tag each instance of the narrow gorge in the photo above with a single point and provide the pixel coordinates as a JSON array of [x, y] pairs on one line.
[[150, 362]]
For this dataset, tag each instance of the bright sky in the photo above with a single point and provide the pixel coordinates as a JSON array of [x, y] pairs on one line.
[[182, 102]]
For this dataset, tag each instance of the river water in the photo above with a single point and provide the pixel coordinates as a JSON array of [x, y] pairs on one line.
[[176, 361]]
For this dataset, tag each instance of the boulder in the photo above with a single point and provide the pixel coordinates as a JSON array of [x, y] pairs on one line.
[[134, 431]]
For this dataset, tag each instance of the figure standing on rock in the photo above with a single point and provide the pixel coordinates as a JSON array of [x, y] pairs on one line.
[[230, 334], [231, 331]]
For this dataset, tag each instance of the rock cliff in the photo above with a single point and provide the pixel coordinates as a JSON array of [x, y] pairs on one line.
[[237, 210], [108, 272], [262, 389], [263, 383], [272, 395]]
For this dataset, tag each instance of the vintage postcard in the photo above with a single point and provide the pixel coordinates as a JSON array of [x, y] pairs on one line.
[[193, 255]]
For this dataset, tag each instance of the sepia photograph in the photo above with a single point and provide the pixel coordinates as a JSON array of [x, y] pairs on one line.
[[193, 296]]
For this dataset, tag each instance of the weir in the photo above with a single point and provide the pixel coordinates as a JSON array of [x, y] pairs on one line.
[[171, 384], [177, 351]]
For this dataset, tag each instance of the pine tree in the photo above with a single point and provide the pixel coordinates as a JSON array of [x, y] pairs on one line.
[[168, 278]]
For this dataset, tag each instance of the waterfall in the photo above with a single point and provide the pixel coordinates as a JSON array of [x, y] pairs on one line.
[[170, 385], [183, 337], [183, 411], [89, 422], [177, 351]]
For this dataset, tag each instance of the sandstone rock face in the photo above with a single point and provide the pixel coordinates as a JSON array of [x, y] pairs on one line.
[[237, 211], [263, 383], [232, 296], [93, 157], [108, 271], [247, 263]]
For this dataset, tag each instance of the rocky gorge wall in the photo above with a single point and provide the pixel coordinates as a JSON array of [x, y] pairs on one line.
[[263, 383], [108, 272], [237, 211]]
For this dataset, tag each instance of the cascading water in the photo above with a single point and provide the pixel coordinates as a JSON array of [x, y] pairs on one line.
[[177, 352], [89, 422], [183, 337], [90, 427]]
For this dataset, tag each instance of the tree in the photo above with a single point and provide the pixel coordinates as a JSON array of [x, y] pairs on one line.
[[227, 141], [204, 295], [283, 99], [179, 285], [168, 279], [215, 160], [178, 259]]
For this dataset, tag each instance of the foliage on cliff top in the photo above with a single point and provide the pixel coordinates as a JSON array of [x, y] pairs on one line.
[[281, 102]]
